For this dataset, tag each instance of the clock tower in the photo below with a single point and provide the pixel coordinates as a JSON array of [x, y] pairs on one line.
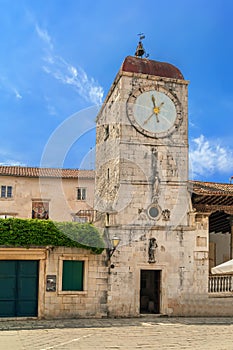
[[141, 185]]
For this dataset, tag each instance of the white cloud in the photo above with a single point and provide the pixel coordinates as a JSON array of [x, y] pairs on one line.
[[51, 109], [17, 94], [11, 162], [43, 34], [208, 156], [8, 87], [7, 159], [68, 74]]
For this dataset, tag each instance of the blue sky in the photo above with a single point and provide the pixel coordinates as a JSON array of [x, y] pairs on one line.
[[59, 58]]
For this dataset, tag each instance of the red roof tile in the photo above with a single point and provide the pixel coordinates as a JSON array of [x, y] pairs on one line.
[[211, 188], [45, 172]]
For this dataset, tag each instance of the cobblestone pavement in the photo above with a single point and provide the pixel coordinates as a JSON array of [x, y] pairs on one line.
[[134, 333]]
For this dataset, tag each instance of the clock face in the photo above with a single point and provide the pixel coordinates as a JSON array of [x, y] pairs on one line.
[[152, 112]]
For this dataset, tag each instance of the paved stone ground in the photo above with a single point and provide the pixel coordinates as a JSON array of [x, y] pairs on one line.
[[135, 333]]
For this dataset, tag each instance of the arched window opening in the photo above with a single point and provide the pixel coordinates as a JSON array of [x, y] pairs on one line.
[[220, 238]]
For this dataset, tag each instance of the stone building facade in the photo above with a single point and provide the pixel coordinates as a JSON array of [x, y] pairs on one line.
[[145, 198], [50, 282], [58, 194], [40, 282]]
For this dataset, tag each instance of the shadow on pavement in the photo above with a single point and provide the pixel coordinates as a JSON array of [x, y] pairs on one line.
[[143, 320]]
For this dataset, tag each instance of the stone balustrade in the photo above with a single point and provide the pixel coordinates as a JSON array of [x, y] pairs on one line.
[[221, 284]]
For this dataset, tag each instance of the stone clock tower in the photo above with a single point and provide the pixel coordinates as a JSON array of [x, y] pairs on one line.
[[141, 185]]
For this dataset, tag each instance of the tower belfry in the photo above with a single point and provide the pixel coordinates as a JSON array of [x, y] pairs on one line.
[[140, 51]]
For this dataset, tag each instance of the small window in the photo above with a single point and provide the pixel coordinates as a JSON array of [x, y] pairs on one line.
[[72, 276], [106, 134], [3, 191], [81, 194], [6, 191], [9, 191], [107, 219]]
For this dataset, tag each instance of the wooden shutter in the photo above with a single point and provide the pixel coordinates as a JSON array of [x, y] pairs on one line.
[[72, 277]]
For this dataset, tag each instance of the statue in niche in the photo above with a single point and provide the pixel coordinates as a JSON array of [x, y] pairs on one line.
[[151, 250]]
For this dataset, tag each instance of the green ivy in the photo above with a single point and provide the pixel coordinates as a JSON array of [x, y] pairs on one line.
[[33, 232]]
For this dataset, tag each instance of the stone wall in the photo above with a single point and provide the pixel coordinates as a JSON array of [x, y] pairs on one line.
[[91, 302], [181, 256], [61, 194]]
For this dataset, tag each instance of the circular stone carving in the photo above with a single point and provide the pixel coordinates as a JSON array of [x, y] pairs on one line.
[[154, 211]]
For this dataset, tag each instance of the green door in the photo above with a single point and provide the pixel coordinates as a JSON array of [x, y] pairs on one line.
[[18, 288]]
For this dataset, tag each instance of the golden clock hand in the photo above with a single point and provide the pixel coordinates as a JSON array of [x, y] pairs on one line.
[[153, 100], [156, 111], [146, 121]]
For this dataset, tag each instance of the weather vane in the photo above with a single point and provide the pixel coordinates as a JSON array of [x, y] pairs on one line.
[[140, 51]]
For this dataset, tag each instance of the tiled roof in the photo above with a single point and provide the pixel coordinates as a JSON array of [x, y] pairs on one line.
[[211, 188], [45, 172], [145, 66], [211, 197]]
